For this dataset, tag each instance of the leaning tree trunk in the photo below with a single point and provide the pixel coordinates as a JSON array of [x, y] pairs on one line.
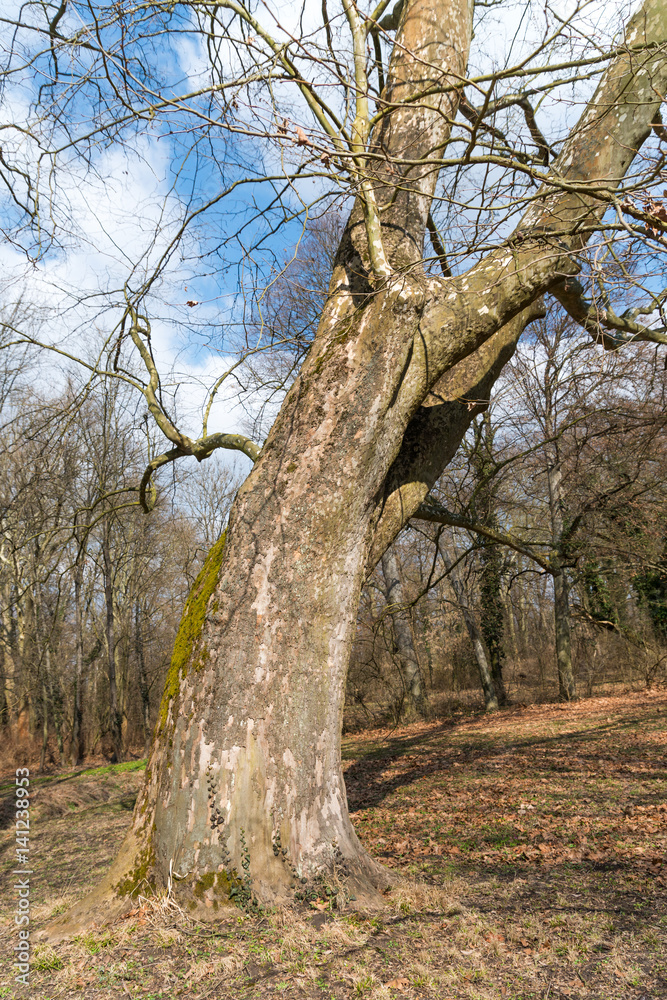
[[411, 677], [244, 777]]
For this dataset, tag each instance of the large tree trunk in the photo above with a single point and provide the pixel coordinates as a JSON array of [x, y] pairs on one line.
[[413, 687], [245, 768]]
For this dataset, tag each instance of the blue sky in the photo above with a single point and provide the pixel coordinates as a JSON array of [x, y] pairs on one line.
[[116, 214]]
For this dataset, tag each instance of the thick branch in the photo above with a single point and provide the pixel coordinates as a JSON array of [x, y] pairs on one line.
[[556, 227], [429, 58], [437, 429], [202, 448], [148, 502], [433, 511], [597, 320]]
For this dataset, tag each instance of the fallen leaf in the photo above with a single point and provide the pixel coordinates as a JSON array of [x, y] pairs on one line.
[[397, 984]]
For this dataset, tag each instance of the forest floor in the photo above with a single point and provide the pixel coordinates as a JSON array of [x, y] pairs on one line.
[[533, 845]]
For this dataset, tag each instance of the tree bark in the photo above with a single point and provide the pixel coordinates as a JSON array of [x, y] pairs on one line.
[[413, 688], [484, 511], [511, 627], [143, 679], [566, 685], [492, 620], [9, 669]]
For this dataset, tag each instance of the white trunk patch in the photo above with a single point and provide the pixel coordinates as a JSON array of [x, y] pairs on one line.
[[260, 579]]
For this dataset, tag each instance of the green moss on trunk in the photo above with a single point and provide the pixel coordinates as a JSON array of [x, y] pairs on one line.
[[139, 878], [188, 653]]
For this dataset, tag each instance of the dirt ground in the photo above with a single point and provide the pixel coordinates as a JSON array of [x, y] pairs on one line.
[[533, 846]]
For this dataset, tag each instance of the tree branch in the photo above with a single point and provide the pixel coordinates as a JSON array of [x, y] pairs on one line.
[[597, 321], [438, 427], [433, 511]]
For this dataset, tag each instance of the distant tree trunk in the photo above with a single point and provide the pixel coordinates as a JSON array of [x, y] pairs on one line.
[[45, 725], [143, 679], [566, 684], [10, 694], [492, 619], [53, 698], [485, 675], [4, 711], [76, 751], [511, 627], [43, 662], [56, 703], [405, 645], [115, 718], [522, 618], [490, 585]]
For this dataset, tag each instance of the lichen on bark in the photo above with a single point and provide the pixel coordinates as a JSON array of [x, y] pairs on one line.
[[190, 629]]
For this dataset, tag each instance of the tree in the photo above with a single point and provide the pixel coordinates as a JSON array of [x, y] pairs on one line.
[[244, 772], [413, 686], [491, 700], [485, 512]]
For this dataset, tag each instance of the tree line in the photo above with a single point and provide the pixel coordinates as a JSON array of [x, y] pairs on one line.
[[91, 588], [539, 570]]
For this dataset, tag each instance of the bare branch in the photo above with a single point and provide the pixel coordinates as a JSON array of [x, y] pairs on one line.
[[433, 511], [599, 320]]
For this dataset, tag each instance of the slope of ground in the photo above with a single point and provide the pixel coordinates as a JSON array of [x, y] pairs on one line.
[[533, 844]]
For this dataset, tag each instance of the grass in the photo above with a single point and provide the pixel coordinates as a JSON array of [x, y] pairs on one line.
[[533, 846]]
